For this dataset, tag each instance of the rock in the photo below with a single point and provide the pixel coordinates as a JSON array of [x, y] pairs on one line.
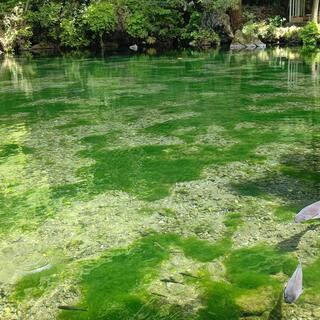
[[239, 37], [260, 44], [237, 46], [245, 41], [134, 48], [250, 46], [217, 20], [42, 46]]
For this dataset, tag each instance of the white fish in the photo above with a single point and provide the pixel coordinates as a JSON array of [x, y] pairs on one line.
[[308, 213], [38, 270], [293, 288]]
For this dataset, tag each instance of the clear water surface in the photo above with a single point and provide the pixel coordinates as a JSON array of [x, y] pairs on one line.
[[158, 187]]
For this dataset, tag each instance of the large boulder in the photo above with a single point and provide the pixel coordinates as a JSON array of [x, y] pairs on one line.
[[42, 46], [218, 21], [246, 41]]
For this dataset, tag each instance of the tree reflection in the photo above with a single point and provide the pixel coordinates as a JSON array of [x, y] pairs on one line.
[[19, 74]]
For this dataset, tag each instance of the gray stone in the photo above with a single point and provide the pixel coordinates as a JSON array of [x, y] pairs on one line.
[[250, 46], [134, 48], [244, 41], [237, 46]]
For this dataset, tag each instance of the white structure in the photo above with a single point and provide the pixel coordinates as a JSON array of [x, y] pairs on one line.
[[297, 12]]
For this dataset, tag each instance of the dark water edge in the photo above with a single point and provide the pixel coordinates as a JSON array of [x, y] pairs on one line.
[[125, 51]]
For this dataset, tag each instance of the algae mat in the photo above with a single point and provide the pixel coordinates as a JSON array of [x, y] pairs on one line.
[[158, 187]]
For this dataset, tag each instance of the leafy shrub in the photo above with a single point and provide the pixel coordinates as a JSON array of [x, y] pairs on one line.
[[277, 21], [260, 29], [47, 15], [101, 18], [220, 4], [166, 22], [248, 16], [310, 35], [47, 19], [72, 35], [269, 33], [204, 38], [138, 26], [287, 34]]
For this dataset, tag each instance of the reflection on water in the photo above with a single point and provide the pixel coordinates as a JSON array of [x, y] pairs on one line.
[[18, 74], [158, 187]]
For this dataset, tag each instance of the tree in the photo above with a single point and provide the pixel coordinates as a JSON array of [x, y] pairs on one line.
[[315, 11], [236, 16], [101, 19]]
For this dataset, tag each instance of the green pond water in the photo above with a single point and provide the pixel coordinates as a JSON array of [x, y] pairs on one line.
[[159, 187]]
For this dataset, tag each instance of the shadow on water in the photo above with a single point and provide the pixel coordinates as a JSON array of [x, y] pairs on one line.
[[296, 180], [291, 244], [276, 312]]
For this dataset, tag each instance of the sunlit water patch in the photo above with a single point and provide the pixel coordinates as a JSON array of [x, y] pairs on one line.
[[158, 187]]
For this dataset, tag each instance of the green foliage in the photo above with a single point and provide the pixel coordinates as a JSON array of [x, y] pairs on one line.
[[72, 35], [138, 26], [270, 33], [219, 4], [248, 16], [277, 21], [205, 38], [100, 18], [47, 15], [166, 23], [310, 36], [47, 18], [77, 24]]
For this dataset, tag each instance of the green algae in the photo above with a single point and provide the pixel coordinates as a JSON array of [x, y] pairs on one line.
[[147, 171], [204, 251], [253, 267], [117, 281], [233, 221], [285, 213], [116, 286], [35, 284], [220, 302], [13, 149], [311, 276]]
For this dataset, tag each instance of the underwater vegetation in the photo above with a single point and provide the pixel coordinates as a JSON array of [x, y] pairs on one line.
[[114, 285], [159, 187]]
